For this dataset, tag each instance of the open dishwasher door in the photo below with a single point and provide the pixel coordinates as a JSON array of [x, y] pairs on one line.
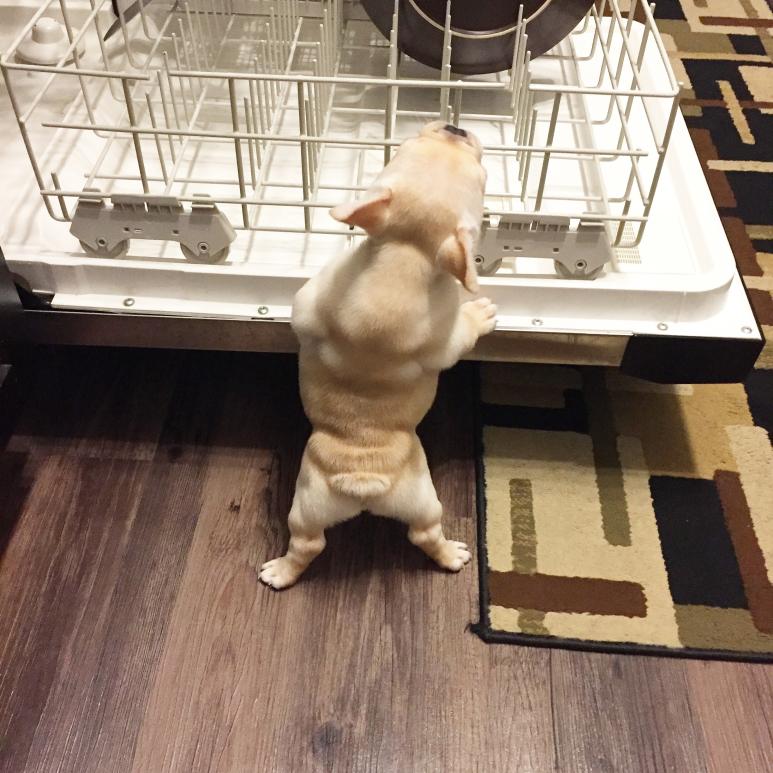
[[170, 186]]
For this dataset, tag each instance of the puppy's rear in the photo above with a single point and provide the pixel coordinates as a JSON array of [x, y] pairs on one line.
[[364, 411]]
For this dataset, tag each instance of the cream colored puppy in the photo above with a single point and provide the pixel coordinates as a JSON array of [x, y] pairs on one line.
[[376, 326]]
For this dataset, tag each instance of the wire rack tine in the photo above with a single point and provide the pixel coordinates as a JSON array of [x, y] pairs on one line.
[[250, 143], [166, 112], [392, 91], [238, 150], [156, 137], [305, 173], [445, 69]]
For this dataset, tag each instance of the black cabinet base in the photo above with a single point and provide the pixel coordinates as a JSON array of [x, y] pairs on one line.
[[680, 360]]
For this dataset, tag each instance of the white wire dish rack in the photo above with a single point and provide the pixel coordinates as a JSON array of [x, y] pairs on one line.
[[193, 157]]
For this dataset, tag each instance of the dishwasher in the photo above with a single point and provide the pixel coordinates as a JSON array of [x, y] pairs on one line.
[[169, 167]]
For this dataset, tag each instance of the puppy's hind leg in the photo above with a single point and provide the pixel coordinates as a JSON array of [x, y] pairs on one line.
[[427, 534], [305, 545], [414, 501], [314, 508]]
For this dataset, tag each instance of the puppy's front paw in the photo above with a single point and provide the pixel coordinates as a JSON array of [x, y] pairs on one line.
[[483, 313], [279, 573], [452, 555]]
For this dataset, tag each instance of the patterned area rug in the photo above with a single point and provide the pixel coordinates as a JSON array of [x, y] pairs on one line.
[[622, 515]]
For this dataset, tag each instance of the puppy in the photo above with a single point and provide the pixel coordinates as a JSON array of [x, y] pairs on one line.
[[376, 326]]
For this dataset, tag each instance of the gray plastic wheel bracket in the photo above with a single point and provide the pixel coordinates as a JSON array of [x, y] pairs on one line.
[[582, 251], [202, 228]]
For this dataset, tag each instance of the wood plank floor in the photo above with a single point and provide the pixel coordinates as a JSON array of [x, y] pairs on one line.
[[140, 491]]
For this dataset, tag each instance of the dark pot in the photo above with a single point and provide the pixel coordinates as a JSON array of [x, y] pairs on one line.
[[476, 52]]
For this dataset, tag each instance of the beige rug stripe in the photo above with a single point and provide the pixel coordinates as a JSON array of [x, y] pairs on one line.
[[506, 619], [718, 8], [765, 260], [755, 9], [619, 382], [754, 456], [642, 563], [529, 621], [567, 510], [570, 539], [499, 534], [737, 113], [566, 507]]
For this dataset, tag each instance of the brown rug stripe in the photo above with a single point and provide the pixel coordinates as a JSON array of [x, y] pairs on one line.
[[743, 250], [762, 302], [567, 594], [721, 191], [730, 21], [751, 561]]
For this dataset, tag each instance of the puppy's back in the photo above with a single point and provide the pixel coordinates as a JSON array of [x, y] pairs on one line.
[[366, 325]]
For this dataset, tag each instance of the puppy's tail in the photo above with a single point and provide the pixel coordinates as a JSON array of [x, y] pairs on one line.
[[360, 485]]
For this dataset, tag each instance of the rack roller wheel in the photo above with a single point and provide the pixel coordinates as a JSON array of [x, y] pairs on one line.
[[101, 250], [205, 256]]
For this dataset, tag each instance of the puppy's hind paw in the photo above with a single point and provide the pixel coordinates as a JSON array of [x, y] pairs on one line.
[[279, 573], [452, 555]]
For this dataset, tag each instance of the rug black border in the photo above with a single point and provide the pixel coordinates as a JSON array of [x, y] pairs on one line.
[[483, 627]]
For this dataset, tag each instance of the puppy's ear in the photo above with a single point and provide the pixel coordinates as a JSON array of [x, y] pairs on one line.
[[369, 213], [456, 256]]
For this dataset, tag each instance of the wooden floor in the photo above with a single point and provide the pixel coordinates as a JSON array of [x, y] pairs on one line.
[[140, 491]]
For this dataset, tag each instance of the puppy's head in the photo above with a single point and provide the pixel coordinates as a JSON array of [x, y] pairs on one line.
[[431, 195]]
